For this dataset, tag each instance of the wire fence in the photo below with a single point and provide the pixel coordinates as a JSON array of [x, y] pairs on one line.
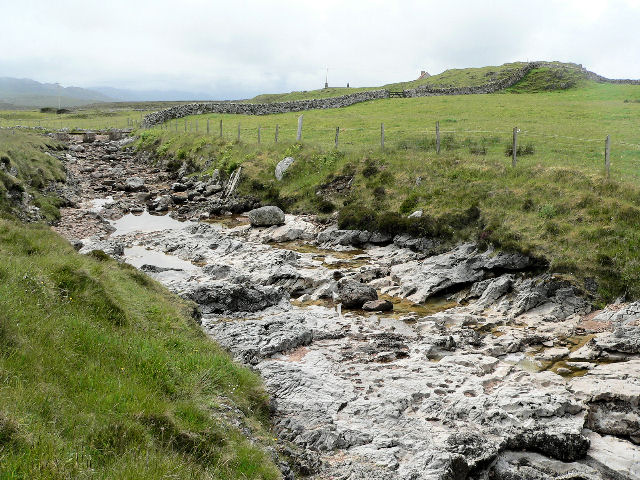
[[531, 145]]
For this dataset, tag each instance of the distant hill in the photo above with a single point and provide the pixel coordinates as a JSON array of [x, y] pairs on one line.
[[29, 93]]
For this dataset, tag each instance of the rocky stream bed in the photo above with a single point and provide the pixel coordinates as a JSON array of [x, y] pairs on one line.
[[486, 368]]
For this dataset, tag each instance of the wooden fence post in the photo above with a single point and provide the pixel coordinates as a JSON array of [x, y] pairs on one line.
[[220, 128], [515, 146], [238, 132], [299, 136], [196, 125], [382, 135], [277, 129], [438, 137], [175, 124], [207, 126], [185, 124], [258, 134], [607, 151], [337, 135]]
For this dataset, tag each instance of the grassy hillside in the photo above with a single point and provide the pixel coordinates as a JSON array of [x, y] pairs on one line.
[[26, 168], [456, 77], [105, 374], [556, 204]]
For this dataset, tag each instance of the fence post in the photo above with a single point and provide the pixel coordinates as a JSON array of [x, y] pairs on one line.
[[337, 135], [299, 136], [207, 126], [277, 129], [607, 151], [220, 128], [515, 146], [258, 134], [175, 125], [185, 124], [438, 137], [196, 125], [382, 135], [238, 132]]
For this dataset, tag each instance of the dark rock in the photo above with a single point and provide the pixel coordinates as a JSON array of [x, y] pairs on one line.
[[378, 306], [354, 294], [225, 297]]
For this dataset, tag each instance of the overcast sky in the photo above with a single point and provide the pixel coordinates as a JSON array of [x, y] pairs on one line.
[[239, 48]]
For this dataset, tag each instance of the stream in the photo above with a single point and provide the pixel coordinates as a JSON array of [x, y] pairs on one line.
[[484, 369]]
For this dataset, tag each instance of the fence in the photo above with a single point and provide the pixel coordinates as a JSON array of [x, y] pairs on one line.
[[517, 144], [593, 152]]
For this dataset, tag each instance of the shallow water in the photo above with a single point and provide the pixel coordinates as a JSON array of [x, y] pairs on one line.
[[145, 222], [139, 256]]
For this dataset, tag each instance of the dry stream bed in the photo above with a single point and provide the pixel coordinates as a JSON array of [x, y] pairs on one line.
[[483, 370]]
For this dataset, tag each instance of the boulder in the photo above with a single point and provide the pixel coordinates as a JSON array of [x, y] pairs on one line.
[[283, 166], [134, 184], [378, 306], [76, 148], [266, 216], [354, 294], [416, 214], [89, 137]]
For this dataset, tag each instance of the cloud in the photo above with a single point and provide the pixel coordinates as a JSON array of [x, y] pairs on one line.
[[236, 49]]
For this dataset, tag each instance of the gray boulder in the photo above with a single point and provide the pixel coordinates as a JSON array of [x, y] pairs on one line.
[[266, 216], [353, 294], [283, 166], [134, 184]]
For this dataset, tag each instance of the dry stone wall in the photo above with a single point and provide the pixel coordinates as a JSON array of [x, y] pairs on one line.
[[353, 98], [490, 87], [180, 111]]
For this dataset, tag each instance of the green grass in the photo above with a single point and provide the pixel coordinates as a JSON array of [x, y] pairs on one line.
[[465, 77], [25, 155], [97, 118], [103, 374], [556, 204]]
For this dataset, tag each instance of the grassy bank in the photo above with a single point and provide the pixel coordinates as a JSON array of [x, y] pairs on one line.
[[557, 203], [103, 372], [97, 118], [26, 168]]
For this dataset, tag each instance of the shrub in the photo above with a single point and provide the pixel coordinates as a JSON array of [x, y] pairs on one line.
[[409, 203]]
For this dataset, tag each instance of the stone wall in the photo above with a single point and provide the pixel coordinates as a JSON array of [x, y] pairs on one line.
[[489, 87], [511, 80], [180, 111]]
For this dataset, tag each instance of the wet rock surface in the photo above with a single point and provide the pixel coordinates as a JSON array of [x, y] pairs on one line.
[[484, 369]]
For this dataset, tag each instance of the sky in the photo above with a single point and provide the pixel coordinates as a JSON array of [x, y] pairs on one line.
[[240, 48]]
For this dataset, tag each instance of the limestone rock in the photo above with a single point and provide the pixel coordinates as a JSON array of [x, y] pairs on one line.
[[134, 184], [282, 166], [266, 216]]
